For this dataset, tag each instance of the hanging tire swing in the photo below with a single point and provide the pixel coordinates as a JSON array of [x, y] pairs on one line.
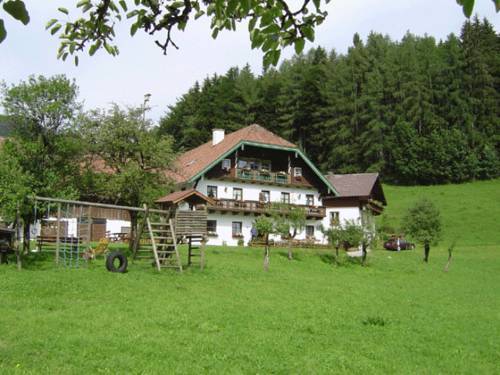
[[122, 262]]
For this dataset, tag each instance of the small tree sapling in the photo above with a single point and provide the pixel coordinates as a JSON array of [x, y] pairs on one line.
[[422, 223]]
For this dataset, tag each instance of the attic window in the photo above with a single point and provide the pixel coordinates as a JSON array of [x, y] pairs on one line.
[[297, 172], [226, 164]]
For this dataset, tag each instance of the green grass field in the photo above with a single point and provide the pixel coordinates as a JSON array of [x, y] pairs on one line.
[[470, 212], [397, 315]]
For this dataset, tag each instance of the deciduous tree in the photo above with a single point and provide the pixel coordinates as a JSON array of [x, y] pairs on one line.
[[126, 159], [422, 222], [42, 155]]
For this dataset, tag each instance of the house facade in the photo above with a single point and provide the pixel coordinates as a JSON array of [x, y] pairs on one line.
[[239, 175]]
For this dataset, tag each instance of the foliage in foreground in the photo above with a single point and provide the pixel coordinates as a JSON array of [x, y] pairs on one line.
[[272, 24]]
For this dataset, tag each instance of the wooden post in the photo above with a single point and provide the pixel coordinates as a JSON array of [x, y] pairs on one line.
[[18, 227], [89, 226], [202, 253], [58, 229], [189, 250], [138, 235]]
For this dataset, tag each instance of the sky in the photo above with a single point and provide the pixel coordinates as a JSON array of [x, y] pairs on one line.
[[141, 68]]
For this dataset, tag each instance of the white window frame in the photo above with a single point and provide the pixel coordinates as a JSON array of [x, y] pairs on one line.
[[285, 194], [297, 171], [216, 191], [235, 234], [226, 164], [212, 232], [234, 195], [309, 196]]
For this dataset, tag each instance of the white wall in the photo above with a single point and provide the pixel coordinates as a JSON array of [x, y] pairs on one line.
[[115, 226], [225, 228], [251, 191]]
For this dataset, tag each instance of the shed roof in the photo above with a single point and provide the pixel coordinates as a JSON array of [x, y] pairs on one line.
[[178, 196], [357, 185]]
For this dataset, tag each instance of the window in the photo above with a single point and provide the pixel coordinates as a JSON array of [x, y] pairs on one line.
[[265, 196], [238, 194], [254, 164], [212, 227], [212, 191], [309, 199], [226, 164], [285, 198], [334, 218], [297, 172], [237, 226], [266, 165], [309, 231], [242, 163]]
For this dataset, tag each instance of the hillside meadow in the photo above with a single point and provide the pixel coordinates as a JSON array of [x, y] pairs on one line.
[[397, 315]]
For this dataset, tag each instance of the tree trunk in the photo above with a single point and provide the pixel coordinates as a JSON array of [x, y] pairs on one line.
[[427, 250], [337, 255], [450, 254], [18, 257], [26, 236], [290, 254], [364, 253], [17, 244], [266, 255], [133, 230]]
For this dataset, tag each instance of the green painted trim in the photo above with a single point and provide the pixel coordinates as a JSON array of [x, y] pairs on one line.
[[263, 145]]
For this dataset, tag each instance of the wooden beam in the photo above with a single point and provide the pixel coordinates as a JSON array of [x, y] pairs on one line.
[[102, 205], [58, 230]]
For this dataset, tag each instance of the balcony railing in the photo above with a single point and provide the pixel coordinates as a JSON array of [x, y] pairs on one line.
[[234, 205], [263, 176]]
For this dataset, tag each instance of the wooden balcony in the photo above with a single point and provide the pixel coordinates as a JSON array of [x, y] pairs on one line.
[[280, 178], [257, 207]]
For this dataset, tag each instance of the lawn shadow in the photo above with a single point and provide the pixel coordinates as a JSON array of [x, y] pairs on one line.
[[328, 259], [295, 255]]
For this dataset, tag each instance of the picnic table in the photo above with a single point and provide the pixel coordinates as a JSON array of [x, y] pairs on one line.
[[119, 237]]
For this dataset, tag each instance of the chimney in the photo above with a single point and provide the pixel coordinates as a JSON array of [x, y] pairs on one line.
[[217, 136]]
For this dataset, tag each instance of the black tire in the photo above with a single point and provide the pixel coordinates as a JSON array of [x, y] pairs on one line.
[[110, 262]]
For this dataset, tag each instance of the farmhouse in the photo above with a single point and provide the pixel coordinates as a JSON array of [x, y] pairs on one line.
[[238, 175]]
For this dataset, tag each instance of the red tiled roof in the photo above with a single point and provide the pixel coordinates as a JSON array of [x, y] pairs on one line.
[[194, 161]]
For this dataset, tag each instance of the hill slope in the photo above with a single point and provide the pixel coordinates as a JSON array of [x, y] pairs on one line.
[[470, 211]]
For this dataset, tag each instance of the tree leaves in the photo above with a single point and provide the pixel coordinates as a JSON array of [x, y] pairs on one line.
[[63, 10], [299, 46], [17, 9], [3, 32], [467, 6]]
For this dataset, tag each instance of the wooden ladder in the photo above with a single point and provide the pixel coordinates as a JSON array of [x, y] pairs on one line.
[[196, 248], [164, 244]]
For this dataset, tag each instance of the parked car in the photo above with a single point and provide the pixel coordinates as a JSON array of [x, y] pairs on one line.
[[392, 244]]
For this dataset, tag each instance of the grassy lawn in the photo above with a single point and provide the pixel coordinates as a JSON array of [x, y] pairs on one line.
[[396, 315], [470, 212]]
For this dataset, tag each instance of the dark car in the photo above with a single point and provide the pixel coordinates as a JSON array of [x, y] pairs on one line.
[[392, 244]]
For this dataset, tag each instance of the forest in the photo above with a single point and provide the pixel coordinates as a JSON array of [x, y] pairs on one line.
[[418, 111]]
